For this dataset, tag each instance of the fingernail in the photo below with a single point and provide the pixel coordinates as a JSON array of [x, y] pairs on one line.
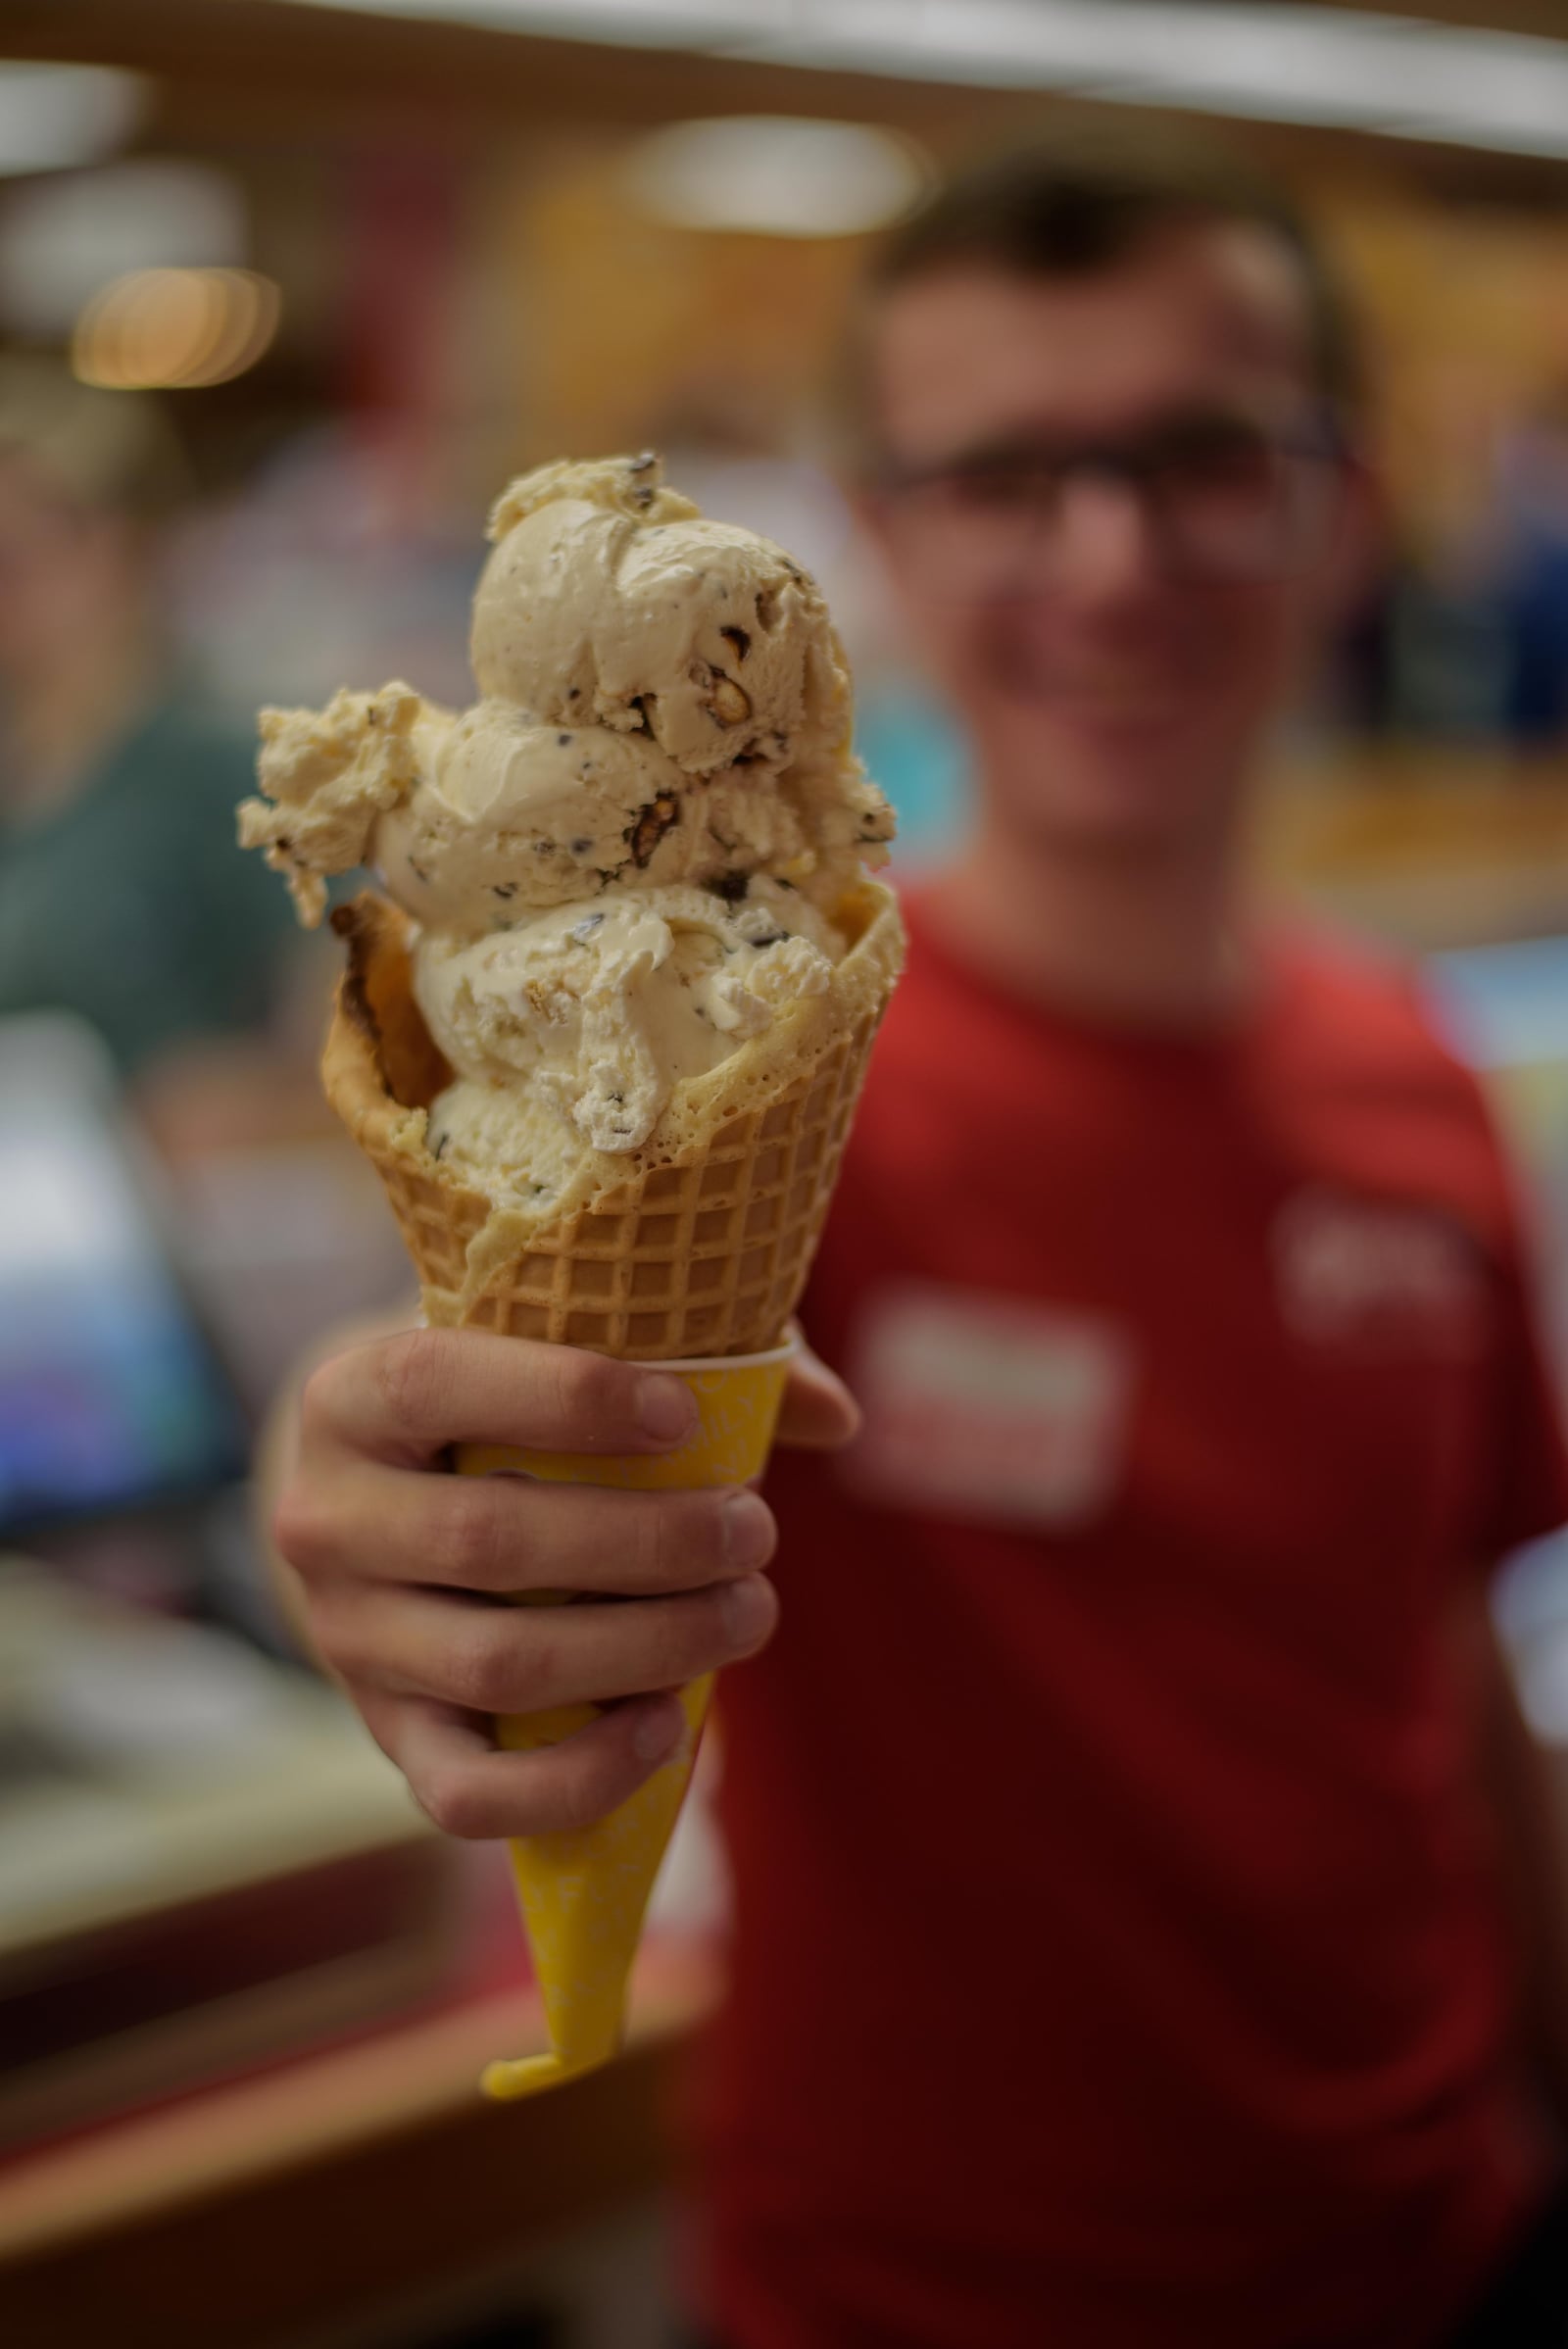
[[666, 1409], [748, 1524], [747, 1608], [660, 1730]]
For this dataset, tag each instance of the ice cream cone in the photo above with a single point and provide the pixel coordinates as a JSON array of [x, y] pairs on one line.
[[697, 1249], [603, 1036], [583, 1894]]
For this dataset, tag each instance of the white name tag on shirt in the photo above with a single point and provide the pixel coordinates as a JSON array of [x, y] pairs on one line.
[[983, 1407]]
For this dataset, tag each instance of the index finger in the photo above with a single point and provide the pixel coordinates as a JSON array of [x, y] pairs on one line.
[[405, 1398]]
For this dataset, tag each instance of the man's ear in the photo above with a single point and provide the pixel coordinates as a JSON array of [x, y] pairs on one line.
[[1359, 534]]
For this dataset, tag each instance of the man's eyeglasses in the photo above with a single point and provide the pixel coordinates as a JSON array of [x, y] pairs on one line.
[[1224, 499]]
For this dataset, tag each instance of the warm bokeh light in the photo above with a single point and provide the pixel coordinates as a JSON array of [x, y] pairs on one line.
[[174, 330], [64, 235]]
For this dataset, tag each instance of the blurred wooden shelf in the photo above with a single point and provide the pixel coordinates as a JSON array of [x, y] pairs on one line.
[[344, 2183]]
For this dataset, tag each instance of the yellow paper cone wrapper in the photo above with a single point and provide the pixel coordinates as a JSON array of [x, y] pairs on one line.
[[584, 1894]]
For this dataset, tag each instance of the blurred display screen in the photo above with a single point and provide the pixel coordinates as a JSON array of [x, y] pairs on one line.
[[109, 1398]]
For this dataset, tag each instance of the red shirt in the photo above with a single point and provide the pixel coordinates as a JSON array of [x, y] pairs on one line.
[[1116, 1959]]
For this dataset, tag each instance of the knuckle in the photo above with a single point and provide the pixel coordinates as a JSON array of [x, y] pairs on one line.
[[412, 1379], [678, 1539], [319, 1393], [654, 1550], [339, 1632], [466, 1545], [688, 1638], [346, 1656], [303, 1529], [586, 1388], [490, 1668]]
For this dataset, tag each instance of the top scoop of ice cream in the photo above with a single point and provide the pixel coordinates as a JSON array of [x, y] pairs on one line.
[[624, 859], [610, 599], [611, 744]]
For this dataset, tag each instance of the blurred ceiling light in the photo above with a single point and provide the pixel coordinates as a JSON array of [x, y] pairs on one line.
[[53, 116], [1401, 77], [174, 330], [61, 238], [776, 176]]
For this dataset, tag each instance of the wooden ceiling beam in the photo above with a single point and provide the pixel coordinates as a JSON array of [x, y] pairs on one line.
[[363, 62], [241, 71]]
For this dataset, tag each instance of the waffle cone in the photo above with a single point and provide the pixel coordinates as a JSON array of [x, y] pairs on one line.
[[698, 1244]]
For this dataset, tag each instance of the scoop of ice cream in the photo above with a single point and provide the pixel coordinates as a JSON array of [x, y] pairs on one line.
[[515, 813], [512, 814], [327, 775], [608, 598], [517, 1147], [472, 818], [605, 1009]]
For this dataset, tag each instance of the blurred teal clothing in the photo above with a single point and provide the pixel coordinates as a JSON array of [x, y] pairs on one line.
[[130, 904]]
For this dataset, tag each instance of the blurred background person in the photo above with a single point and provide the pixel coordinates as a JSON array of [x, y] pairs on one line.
[[120, 897]]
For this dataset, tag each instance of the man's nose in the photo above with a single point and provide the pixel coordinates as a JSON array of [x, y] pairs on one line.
[[1105, 541]]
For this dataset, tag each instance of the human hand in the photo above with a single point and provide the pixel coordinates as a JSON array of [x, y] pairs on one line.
[[406, 1569]]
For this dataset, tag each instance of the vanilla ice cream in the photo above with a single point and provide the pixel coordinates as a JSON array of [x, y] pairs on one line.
[[608, 599], [624, 858]]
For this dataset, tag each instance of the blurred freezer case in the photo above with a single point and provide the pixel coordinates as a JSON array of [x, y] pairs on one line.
[[203, 1861], [111, 1396]]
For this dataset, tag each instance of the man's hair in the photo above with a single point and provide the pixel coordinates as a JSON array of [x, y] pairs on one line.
[[1063, 204]]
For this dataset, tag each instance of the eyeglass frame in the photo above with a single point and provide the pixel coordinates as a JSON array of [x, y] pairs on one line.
[[1322, 444]]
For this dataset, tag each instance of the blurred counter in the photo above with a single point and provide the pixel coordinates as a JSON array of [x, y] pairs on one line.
[[203, 1859], [246, 1995], [332, 2196], [1427, 846]]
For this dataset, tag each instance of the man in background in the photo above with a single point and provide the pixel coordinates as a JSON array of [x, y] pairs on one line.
[[1146, 1920], [120, 896]]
